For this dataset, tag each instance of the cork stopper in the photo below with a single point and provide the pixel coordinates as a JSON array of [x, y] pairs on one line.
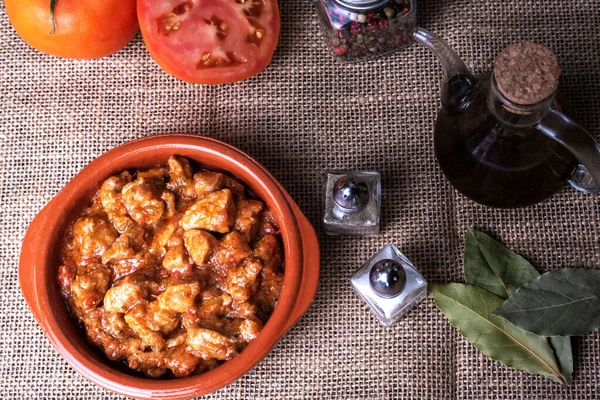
[[526, 73]]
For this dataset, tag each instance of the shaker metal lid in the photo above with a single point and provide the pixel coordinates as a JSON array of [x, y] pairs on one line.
[[526, 73], [362, 5], [350, 193], [387, 278]]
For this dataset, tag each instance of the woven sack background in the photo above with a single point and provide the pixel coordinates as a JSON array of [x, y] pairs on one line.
[[303, 115]]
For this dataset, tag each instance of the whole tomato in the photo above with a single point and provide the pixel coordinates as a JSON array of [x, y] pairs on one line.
[[75, 28]]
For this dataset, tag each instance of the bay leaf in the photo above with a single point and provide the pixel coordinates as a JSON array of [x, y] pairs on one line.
[[469, 309], [565, 302], [564, 355], [492, 266]]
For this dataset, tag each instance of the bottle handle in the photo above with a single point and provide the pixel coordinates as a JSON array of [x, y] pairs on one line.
[[581, 144]]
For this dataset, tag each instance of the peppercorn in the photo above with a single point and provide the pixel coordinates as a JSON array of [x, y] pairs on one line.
[[341, 50], [372, 26]]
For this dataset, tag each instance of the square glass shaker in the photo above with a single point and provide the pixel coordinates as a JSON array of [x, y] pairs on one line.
[[389, 307], [356, 30], [360, 218]]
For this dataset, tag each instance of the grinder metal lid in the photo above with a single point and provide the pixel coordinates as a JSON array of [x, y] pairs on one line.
[[362, 5]]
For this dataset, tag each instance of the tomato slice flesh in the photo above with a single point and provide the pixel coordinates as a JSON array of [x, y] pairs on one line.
[[210, 41]]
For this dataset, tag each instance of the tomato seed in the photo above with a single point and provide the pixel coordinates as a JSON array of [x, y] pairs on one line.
[[181, 8]]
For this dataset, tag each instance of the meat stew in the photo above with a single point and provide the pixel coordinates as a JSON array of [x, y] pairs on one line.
[[170, 271]]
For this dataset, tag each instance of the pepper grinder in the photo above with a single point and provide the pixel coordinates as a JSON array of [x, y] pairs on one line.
[[352, 203], [389, 284]]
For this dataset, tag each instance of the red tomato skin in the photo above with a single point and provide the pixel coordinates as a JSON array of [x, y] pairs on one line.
[[213, 76], [85, 29]]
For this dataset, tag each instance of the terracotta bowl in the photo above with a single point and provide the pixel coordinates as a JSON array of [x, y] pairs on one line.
[[40, 257]]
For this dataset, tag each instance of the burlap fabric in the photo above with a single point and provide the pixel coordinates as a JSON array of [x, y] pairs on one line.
[[303, 115]]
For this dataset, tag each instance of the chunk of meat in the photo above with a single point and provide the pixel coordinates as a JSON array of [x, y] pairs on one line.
[[209, 344], [247, 218], [129, 253], [267, 224], [158, 173], [111, 198], [151, 363], [89, 287], [249, 329], [66, 276], [95, 209], [268, 293], [214, 211], [200, 245], [206, 182], [92, 236], [143, 201], [241, 282], [214, 303], [177, 260], [132, 241], [161, 318], [189, 319], [148, 331], [124, 296], [176, 238], [176, 341], [181, 180], [237, 189], [171, 202], [268, 250], [162, 235], [232, 249], [115, 325], [244, 310], [179, 297], [116, 349], [181, 361]]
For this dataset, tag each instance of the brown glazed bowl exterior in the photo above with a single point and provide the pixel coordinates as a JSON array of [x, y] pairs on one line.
[[41, 247]]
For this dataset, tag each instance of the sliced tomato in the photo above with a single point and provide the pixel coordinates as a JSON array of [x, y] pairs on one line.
[[210, 41]]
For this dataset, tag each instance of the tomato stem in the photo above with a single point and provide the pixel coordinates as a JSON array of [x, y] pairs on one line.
[[52, 7]]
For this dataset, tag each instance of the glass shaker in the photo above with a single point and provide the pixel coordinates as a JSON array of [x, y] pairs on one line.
[[352, 202], [360, 29]]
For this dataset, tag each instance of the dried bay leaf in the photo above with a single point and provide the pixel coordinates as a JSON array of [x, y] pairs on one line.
[[564, 302], [564, 355], [492, 266], [469, 309]]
